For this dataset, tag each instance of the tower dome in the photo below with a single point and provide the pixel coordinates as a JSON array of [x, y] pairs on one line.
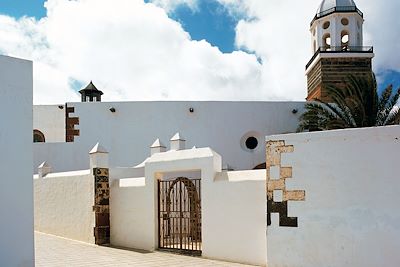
[[330, 6]]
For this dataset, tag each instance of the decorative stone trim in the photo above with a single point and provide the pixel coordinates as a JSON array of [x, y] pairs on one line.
[[101, 206], [274, 151], [70, 122]]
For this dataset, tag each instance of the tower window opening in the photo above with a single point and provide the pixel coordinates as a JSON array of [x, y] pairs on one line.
[[345, 40], [326, 25], [345, 21], [326, 40]]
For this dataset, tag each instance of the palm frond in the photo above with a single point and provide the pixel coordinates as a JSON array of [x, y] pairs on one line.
[[356, 104], [385, 97]]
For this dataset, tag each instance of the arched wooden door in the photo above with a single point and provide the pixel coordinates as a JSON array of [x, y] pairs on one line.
[[179, 209]]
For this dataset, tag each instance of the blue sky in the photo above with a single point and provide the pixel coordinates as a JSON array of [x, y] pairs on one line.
[[211, 21], [19, 8]]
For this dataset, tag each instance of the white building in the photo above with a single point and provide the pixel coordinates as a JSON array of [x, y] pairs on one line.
[[127, 129], [234, 129]]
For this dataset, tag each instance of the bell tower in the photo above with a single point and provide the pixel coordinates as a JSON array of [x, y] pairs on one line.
[[337, 47]]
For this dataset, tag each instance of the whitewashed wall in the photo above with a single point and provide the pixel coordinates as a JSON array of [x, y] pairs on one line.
[[233, 206], [16, 211], [236, 213], [63, 205], [134, 126], [128, 215], [60, 154], [350, 216], [50, 120]]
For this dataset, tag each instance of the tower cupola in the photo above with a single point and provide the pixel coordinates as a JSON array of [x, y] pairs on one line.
[[91, 93], [337, 26], [337, 46]]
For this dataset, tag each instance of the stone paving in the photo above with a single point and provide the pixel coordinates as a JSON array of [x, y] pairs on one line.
[[53, 251]]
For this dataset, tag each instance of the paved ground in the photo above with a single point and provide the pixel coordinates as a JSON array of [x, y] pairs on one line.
[[52, 251]]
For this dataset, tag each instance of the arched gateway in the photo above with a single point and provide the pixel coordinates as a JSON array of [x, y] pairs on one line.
[[179, 207]]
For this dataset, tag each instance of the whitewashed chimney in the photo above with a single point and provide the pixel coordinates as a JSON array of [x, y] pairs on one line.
[[44, 169], [98, 157], [157, 147], [177, 142]]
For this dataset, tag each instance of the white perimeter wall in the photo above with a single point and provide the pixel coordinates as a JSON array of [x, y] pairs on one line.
[[235, 213], [65, 154], [128, 133], [129, 218], [350, 216], [63, 205], [50, 120], [236, 218], [16, 210]]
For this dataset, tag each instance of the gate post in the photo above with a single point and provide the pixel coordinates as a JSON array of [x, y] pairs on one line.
[[99, 168], [98, 157]]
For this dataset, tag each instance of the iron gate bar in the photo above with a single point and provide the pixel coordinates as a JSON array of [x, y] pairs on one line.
[[179, 222]]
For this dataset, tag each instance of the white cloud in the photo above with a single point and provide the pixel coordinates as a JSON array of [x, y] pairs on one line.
[[131, 50], [134, 51], [26, 38], [280, 35]]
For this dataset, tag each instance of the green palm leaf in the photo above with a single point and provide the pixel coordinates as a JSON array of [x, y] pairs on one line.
[[357, 104]]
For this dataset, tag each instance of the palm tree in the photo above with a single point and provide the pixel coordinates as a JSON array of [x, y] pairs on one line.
[[357, 104]]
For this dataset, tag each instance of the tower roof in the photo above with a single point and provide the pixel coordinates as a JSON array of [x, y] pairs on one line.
[[90, 87], [331, 6]]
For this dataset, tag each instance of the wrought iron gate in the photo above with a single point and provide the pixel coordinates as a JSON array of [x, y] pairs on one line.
[[179, 209]]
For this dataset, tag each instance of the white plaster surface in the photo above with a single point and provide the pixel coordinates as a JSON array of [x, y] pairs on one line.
[[129, 132], [98, 157], [236, 217], [233, 205], [133, 209], [50, 120], [129, 218], [60, 154], [63, 205], [16, 211], [350, 214]]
